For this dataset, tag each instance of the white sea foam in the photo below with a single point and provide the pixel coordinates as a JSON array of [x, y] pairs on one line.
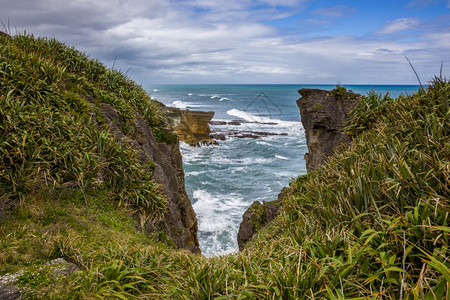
[[281, 157], [248, 116], [216, 220], [194, 173], [190, 94], [214, 97], [224, 98], [155, 90], [183, 105]]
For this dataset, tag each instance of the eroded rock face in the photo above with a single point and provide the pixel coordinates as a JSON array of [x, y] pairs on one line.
[[191, 126], [180, 222], [255, 218], [323, 115]]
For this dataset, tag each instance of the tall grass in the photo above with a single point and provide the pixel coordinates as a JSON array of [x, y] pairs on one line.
[[371, 224], [51, 131]]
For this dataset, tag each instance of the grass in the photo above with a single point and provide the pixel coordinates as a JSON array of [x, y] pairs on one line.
[[371, 224]]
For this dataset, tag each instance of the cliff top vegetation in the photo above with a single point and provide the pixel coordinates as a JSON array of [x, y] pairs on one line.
[[372, 223]]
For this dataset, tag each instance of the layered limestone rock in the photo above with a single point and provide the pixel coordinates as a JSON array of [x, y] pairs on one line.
[[180, 222], [323, 115], [191, 126]]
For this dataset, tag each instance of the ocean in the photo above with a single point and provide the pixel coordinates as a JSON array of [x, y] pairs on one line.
[[223, 181]]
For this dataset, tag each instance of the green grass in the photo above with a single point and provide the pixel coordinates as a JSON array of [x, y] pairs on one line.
[[371, 224], [51, 127]]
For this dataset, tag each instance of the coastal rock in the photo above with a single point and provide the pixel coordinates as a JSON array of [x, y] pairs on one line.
[[180, 222], [256, 217], [191, 126], [323, 115]]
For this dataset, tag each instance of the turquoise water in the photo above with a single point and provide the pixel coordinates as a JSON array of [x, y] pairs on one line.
[[222, 181]]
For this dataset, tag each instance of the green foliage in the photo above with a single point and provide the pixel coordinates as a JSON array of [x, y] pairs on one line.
[[371, 224], [49, 135], [318, 106], [339, 91]]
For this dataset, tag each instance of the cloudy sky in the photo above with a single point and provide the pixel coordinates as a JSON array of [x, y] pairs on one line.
[[248, 41]]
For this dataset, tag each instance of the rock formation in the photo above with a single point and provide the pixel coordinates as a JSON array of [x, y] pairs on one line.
[[191, 126], [323, 115], [256, 217], [180, 222]]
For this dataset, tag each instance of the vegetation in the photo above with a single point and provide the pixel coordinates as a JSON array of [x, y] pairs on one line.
[[371, 224]]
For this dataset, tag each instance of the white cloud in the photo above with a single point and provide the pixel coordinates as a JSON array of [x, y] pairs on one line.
[[398, 25], [178, 42]]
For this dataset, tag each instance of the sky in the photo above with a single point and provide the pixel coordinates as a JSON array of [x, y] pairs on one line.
[[248, 41]]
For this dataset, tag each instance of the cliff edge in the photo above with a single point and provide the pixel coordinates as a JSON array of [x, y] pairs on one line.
[[180, 221], [323, 115]]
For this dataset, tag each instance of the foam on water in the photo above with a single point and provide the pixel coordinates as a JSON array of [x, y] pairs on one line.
[[281, 157], [216, 229], [183, 105]]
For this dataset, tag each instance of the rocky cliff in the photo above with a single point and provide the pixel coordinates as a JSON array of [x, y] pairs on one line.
[[323, 115], [180, 222], [191, 126]]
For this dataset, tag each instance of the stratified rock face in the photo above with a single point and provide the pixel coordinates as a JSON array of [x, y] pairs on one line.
[[191, 126], [323, 115], [180, 221]]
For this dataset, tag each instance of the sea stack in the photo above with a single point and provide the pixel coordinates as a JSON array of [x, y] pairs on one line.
[[191, 126], [323, 115]]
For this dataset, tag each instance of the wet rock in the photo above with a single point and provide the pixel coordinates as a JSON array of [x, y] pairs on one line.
[[243, 134], [217, 123], [235, 122], [218, 136], [323, 115]]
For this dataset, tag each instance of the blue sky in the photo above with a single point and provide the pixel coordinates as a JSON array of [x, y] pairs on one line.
[[249, 41]]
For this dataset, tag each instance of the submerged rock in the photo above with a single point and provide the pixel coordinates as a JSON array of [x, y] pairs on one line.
[[323, 115]]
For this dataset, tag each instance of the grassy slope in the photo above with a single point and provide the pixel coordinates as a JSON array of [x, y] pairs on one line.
[[372, 223]]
